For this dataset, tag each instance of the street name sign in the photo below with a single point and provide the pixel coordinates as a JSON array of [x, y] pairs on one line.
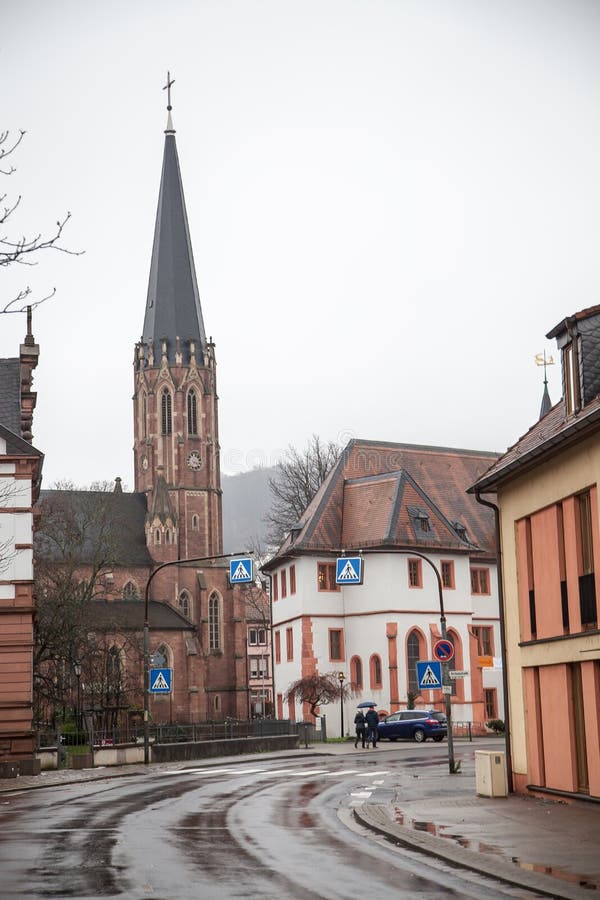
[[348, 570], [161, 681], [457, 673], [240, 571], [429, 674]]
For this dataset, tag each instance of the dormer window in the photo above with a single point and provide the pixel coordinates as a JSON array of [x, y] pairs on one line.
[[461, 531], [421, 523]]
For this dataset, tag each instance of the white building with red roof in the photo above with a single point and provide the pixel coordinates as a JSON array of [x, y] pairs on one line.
[[404, 510]]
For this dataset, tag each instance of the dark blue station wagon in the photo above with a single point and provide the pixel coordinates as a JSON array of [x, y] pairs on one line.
[[414, 724]]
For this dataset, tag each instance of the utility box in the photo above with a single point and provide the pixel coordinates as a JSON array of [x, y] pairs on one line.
[[490, 774]]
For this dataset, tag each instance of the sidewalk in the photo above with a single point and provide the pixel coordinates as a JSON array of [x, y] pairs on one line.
[[545, 846]]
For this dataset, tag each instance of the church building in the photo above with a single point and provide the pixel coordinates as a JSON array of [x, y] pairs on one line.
[[198, 625]]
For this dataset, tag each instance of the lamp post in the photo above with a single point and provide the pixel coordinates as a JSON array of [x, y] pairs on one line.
[[77, 670], [175, 562], [341, 678], [445, 678]]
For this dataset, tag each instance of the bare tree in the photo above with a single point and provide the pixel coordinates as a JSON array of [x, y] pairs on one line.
[[76, 546], [23, 249], [317, 690], [297, 479]]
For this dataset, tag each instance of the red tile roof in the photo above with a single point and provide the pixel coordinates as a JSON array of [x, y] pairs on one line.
[[368, 497]]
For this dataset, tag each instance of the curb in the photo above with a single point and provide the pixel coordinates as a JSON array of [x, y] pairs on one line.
[[376, 818]]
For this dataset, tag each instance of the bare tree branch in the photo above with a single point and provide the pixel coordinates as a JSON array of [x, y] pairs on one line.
[[297, 479], [317, 690], [21, 299], [23, 250], [6, 151]]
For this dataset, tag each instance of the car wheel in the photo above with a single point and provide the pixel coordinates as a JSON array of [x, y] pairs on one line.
[[419, 735], [438, 737]]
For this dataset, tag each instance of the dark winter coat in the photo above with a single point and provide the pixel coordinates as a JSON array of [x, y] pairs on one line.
[[372, 719], [359, 721]]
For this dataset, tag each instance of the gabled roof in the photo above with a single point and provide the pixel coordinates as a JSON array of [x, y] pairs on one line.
[[10, 394], [173, 305], [379, 493], [16, 445], [113, 522], [128, 615]]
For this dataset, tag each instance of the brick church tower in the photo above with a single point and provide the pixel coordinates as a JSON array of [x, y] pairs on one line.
[[176, 458]]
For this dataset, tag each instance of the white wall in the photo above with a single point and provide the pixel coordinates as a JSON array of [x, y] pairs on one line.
[[363, 611]]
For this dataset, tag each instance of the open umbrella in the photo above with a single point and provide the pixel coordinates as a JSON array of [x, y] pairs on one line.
[[366, 703]]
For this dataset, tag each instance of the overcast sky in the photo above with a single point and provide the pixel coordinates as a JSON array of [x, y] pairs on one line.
[[390, 204]]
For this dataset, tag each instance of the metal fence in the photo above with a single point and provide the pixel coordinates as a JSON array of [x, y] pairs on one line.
[[171, 734]]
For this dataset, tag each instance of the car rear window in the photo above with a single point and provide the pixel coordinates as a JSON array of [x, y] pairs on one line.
[[439, 716]]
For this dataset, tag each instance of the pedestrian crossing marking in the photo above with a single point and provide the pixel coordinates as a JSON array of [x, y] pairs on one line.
[[429, 678], [271, 772], [160, 683]]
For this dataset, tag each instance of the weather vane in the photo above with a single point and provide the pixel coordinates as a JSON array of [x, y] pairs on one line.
[[167, 88], [541, 360]]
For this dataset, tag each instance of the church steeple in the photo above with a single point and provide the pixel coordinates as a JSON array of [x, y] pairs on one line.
[[176, 422], [173, 306]]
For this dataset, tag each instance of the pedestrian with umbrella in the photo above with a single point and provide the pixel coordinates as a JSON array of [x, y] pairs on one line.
[[372, 721]]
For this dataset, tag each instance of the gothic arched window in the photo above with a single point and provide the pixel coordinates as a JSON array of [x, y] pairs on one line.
[[356, 675], [413, 655], [160, 657], [157, 536], [214, 624], [144, 415], [130, 591], [166, 412], [375, 671], [192, 412], [184, 603], [195, 522]]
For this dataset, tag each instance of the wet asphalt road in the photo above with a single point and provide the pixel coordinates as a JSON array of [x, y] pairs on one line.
[[270, 829]]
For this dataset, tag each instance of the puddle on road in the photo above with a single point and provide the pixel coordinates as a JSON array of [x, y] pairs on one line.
[[481, 847]]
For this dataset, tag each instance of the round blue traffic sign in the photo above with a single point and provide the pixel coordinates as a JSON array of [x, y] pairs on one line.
[[443, 650]]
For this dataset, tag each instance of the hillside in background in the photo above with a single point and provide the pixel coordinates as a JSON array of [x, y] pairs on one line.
[[246, 501]]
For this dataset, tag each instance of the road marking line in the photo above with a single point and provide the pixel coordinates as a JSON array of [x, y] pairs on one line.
[[345, 772], [370, 774]]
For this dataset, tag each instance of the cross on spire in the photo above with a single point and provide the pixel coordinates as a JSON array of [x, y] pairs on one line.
[[167, 88]]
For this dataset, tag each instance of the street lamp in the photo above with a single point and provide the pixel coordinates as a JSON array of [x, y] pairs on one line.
[[175, 562], [341, 678], [445, 679], [77, 670]]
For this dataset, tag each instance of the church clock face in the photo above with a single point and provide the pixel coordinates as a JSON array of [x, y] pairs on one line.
[[193, 460]]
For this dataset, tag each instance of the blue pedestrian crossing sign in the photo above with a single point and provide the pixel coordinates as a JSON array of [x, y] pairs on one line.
[[240, 571], [348, 570], [161, 681], [429, 674]]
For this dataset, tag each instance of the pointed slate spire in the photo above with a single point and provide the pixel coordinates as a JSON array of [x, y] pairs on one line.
[[546, 402], [173, 306]]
